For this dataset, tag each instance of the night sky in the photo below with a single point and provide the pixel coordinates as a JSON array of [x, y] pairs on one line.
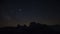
[[13, 12]]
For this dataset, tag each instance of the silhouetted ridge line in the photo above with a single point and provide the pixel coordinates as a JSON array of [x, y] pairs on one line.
[[34, 28]]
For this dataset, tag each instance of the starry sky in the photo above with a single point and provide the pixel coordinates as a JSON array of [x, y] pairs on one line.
[[13, 12]]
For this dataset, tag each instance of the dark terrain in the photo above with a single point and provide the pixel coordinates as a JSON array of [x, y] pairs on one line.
[[34, 28]]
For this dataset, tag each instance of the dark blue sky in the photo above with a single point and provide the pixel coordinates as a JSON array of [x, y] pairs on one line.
[[24, 11]]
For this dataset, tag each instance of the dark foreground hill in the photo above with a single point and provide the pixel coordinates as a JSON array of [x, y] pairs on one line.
[[34, 28]]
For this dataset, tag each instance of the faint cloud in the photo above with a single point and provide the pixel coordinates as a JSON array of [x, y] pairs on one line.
[[8, 18], [19, 9]]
